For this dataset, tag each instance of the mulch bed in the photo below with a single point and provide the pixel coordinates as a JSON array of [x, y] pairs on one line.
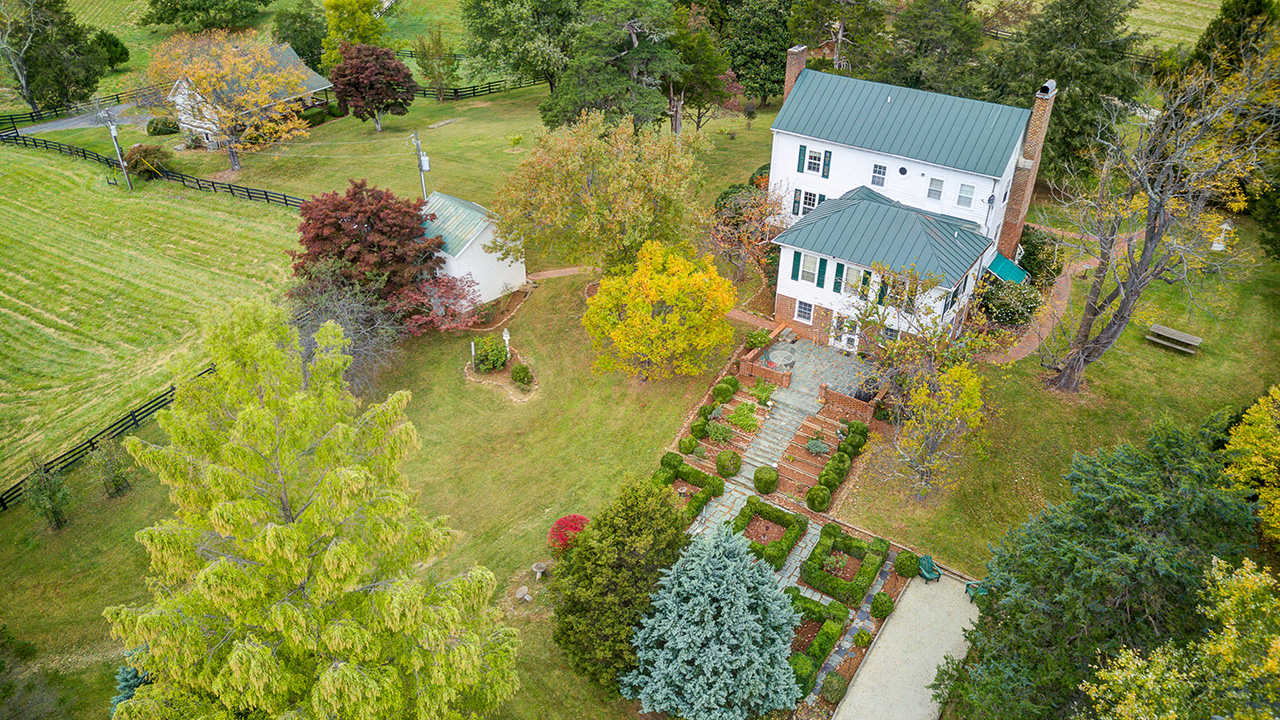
[[689, 489], [805, 634], [503, 308], [591, 289], [894, 585], [848, 569], [763, 531]]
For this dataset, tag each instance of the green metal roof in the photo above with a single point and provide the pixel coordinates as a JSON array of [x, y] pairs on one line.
[[970, 135], [864, 227], [457, 221], [1003, 268], [286, 57]]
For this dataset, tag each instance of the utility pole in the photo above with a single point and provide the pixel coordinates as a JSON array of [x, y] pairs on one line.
[[424, 164], [115, 140]]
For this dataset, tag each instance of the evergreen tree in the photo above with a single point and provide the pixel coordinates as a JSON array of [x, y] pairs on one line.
[[703, 83], [855, 29], [602, 587], [1082, 44], [303, 27], [620, 58], [935, 47], [63, 65], [202, 14], [757, 47], [1239, 24], [296, 578], [112, 48], [1120, 564], [716, 643]]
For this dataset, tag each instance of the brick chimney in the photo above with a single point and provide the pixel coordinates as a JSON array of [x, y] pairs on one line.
[[796, 58], [1024, 176]]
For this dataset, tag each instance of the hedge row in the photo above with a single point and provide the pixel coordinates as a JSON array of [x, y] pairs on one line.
[[802, 665], [833, 539], [816, 611], [825, 641], [775, 553], [710, 485]]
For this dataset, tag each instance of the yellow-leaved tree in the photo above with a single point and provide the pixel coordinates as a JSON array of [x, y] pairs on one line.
[[940, 415], [1255, 464], [665, 318], [233, 90], [295, 577]]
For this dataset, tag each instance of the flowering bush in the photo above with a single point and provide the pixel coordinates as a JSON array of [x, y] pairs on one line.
[[563, 532]]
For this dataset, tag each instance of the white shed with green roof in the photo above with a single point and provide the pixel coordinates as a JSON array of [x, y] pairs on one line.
[[466, 228]]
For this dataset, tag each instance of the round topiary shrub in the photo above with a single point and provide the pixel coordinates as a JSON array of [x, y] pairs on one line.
[[722, 392], [564, 532], [834, 686], [766, 479], [687, 444], [1010, 304], [818, 498], [672, 460], [881, 605], [907, 564], [162, 126], [857, 428], [705, 411], [728, 463], [698, 429], [862, 638], [732, 381], [522, 375]]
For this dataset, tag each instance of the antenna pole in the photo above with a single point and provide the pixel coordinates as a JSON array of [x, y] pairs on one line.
[[424, 164]]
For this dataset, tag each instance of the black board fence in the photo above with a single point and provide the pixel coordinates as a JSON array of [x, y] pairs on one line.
[[470, 91], [131, 420]]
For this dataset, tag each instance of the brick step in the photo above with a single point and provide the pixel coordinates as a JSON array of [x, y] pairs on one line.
[[823, 426], [739, 443], [801, 453], [804, 473]]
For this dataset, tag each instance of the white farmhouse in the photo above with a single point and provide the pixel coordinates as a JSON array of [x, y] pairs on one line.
[[466, 228], [883, 175]]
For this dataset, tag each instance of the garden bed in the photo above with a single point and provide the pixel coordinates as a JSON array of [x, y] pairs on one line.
[[775, 552], [805, 634], [762, 531], [708, 486], [872, 556]]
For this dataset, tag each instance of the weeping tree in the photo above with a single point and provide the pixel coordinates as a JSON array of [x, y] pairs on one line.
[[1148, 211]]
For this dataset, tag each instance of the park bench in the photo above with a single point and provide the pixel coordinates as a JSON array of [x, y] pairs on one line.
[[1175, 339], [928, 570]]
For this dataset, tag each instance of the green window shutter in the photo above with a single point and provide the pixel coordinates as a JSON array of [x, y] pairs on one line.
[[826, 164], [821, 198], [839, 278], [866, 283], [803, 156], [822, 270], [884, 288], [795, 262], [795, 205]]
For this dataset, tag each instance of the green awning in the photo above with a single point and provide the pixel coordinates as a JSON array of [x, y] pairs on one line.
[[1003, 268]]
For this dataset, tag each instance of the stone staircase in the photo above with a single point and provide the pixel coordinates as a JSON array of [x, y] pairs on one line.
[[790, 408]]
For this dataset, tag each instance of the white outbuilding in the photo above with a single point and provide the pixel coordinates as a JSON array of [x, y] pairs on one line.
[[466, 228]]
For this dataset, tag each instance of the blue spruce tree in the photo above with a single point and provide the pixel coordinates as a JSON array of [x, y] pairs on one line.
[[715, 644]]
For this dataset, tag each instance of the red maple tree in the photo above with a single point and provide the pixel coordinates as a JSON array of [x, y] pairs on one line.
[[377, 239], [372, 82], [441, 303]]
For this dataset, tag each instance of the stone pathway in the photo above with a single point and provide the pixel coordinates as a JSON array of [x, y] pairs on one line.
[[862, 620], [722, 509], [776, 432], [816, 364]]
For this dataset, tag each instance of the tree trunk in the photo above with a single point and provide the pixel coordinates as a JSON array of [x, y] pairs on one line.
[[377, 121], [764, 100], [233, 154], [675, 108], [835, 59]]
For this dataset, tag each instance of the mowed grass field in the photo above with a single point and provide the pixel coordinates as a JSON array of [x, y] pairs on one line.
[[101, 292]]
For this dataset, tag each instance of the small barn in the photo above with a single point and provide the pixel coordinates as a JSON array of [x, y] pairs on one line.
[[466, 228]]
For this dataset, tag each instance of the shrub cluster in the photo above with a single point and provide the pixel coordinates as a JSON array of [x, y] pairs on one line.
[[1040, 257], [719, 431], [862, 638], [757, 339], [811, 609], [687, 444], [744, 417], [855, 437], [521, 375], [1010, 303], [698, 429], [805, 672], [765, 479], [162, 126], [825, 641], [146, 161], [491, 354], [834, 686], [907, 564], [563, 533], [762, 391], [709, 486], [671, 460], [831, 540], [705, 411], [728, 463], [818, 499], [314, 116], [775, 553], [760, 175], [881, 605]]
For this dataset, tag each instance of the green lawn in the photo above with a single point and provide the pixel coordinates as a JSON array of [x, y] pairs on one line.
[[103, 291], [1034, 432], [1173, 22]]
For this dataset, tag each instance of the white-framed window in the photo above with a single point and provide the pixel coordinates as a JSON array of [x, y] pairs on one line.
[[808, 202], [878, 173], [935, 188], [809, 268], [804, 311], [814, 163], [965, 198]]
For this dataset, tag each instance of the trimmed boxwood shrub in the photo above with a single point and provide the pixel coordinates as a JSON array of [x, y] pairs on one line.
[[687, 444], [672, 460], [825, 641], [728, 463], [831, 540], [857, 428], [337, 110], [867, 573], [880, 546], [834, 686], [852, 446], [314, 116], [765, 479], [805, 672], [162, 126], [775, 553], [757, 339], [711, 486], [862, 638], [664, 476], [811, 609], [705, 411], [881, 605], [818, 498], [698, 429], [732, 381], [722, 392], [907, 564]]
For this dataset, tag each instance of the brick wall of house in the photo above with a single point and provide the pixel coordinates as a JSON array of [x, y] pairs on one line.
[[1024, 177], [784, 313]]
